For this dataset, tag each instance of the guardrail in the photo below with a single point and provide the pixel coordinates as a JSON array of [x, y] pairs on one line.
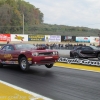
[[63, 53]]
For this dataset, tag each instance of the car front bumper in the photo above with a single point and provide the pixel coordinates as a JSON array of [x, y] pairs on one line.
[[42, 60]]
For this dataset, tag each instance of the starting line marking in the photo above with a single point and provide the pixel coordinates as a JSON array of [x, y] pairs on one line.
[[79, 67], [28, 95]]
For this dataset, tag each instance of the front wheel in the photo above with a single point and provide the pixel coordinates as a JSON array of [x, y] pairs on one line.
[[49, 65], [99, 56], [24, 65], [76, 55]]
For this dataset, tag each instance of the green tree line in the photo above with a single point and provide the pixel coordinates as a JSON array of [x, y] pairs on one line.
[[11, 21], [11, 15]]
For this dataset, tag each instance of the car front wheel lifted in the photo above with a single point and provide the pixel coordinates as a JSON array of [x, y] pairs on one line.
[[49, 65]]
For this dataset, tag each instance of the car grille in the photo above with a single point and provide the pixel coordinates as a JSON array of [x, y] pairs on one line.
[[45, 54], [47, 60]]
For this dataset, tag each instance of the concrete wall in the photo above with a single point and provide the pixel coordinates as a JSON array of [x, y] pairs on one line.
[[64, 53]]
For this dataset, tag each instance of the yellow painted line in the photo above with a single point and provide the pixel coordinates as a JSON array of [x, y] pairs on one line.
[[12, 92], [79, 67]]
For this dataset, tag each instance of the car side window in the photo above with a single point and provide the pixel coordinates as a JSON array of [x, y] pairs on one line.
[[4, 48], [79, 48], [87, 48], [83, 48], [8, 48]]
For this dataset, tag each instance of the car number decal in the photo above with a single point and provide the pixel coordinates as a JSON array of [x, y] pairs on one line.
[[8, 56]]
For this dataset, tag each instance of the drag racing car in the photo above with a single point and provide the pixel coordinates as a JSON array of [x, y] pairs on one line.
[[85, 52], [25, 55]]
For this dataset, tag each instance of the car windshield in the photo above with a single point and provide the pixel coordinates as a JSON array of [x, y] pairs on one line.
[[94, 47], [25, 46]]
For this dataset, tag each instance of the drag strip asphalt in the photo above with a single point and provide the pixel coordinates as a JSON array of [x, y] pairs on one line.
[[56, 83]]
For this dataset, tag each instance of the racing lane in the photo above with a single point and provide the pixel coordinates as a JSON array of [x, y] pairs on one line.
[[56, 83]]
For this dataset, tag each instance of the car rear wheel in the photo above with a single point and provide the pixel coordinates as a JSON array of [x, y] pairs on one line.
[[49, 65], [99, 56], [24, 65]]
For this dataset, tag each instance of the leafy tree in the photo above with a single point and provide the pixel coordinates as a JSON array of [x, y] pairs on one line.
[[5, 17], [11, 15]]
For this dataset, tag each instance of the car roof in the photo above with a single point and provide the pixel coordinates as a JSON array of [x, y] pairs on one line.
[[13, 44], [16, 43]]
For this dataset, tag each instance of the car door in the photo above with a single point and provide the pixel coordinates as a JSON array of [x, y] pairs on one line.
[[2, 52], [88, 51], [9, 53]]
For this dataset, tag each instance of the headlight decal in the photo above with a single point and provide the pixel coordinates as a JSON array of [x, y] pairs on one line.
[[35, 54], [55, 52]]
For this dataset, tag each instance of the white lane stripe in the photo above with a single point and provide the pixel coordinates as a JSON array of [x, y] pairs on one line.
[[36, 96], [78, 69]]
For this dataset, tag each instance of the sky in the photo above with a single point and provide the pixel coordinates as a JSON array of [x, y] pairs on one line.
[[81, 13]]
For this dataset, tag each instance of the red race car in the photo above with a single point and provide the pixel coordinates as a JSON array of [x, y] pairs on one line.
[[26, 55]]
